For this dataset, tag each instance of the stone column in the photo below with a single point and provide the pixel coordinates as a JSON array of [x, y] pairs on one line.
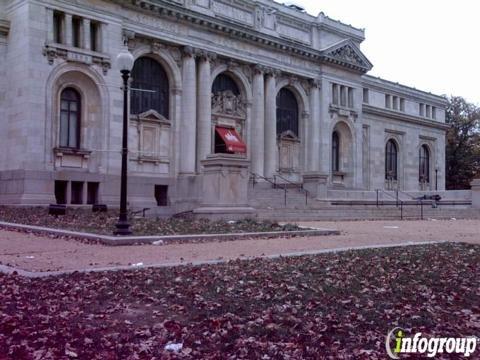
[[314, 129], [258, 122], [86, 34], [68, 30], [270, 125], [50, 20], [188, 127], [204, 109]]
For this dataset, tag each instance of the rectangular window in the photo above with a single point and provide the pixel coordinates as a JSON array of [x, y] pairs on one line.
[[58, 19], [421, 110], [428, 112], [434, 112], [350, 98], [77, 193], [366, 96], [92, 193], [94, 34], [335, 94], [343, 96], [61, 192], [161, 195], [76, 32], [388, 101], [402, 104]]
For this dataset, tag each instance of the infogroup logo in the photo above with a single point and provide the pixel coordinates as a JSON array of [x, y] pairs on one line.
[[398, 343]]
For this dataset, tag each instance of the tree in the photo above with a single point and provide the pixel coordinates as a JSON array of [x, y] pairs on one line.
[[463, 148]]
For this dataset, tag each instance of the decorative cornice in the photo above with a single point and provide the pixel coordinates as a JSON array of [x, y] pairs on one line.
[[382, 85], [368, 109], [233, 29]]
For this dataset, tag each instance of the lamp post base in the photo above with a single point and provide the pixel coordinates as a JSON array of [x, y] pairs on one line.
[[122, 229]]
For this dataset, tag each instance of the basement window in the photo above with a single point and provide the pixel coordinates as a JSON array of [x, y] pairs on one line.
[[77, 193], [61, 192], [161, 195]]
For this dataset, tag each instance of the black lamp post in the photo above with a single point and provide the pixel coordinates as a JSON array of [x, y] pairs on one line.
[[125, 63], [436, 179]]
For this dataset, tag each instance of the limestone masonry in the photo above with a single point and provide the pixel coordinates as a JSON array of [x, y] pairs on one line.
[[222, 91]]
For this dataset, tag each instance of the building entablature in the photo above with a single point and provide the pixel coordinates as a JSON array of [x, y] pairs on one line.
[[395, 115], [382, 85], [244, 21]]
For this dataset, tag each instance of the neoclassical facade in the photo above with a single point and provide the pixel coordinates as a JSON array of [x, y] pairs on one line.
[[286, 92]]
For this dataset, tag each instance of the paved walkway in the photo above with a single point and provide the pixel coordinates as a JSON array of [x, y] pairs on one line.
[[43, 253]]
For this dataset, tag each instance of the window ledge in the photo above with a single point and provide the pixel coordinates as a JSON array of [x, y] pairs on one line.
[[60, 151], [73, 54]]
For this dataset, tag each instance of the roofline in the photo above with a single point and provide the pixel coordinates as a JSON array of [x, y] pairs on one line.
[[395, 86]]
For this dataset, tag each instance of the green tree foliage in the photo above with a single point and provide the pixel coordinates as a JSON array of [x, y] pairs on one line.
[[463, 148]]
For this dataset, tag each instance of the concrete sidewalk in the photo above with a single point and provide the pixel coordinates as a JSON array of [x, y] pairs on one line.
[[41, 253]]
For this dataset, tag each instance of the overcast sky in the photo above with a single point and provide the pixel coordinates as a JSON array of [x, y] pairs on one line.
[[433, 45]]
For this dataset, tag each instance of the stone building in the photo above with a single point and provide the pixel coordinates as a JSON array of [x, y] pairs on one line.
[[239, 88]]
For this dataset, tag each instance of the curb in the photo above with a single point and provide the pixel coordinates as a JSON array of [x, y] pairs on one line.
[[137, 240], [10, 270]]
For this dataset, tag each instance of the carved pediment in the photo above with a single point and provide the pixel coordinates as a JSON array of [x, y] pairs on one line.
[[347, 53], [288, 136], [227, 103], [152, 115]]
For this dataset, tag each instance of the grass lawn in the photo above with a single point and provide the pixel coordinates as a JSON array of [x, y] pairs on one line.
[[337, 306], [84, 220]]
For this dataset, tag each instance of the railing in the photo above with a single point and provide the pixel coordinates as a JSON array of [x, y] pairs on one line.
[[274, 185], [399, 203], [296, 185]]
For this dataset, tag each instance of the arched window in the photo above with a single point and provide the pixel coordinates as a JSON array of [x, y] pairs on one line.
[[335, 152], [391, 161], [150, 87], [70, 111], [223, 83], [287, 112], [424, 164]]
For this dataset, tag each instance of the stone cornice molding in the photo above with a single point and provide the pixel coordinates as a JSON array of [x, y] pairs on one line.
[[231, 28], [393, 88], [368, 109]]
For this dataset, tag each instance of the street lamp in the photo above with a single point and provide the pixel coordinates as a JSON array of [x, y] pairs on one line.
[[125, 63], [436, 178]]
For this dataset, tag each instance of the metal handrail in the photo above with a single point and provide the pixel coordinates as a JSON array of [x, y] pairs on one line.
[[255, 176], [274, 185], [299, 187], [399, 202]]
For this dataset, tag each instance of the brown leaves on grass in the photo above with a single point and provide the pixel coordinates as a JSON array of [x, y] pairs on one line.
[[84, 220], [336, 306]]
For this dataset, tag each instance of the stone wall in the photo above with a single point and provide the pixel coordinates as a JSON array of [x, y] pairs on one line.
[[274, 47]]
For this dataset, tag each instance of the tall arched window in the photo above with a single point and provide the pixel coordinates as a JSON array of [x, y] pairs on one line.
[[223, 83], [70, 111], [287, 112], [391, 161], [335, 152], [150, 87], [424, 164]]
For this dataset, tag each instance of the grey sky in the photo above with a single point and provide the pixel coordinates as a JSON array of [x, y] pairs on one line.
[[431, 45]]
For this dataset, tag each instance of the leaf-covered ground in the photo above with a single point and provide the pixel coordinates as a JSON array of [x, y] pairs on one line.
[[335, 306], [104, 223]]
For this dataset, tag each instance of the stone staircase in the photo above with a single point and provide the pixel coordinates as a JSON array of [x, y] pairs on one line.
[[270, 204]]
